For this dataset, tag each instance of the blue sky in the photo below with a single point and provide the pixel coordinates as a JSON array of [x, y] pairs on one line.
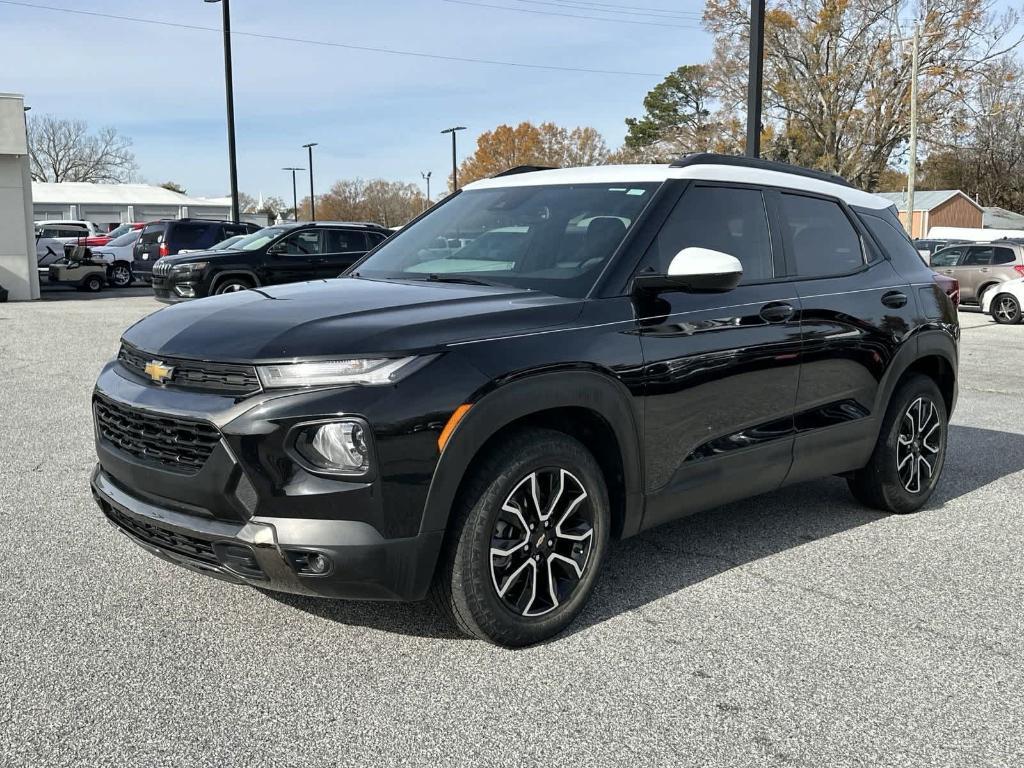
[[374, 115]]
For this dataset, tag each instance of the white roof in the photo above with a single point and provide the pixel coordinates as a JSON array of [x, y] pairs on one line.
[[637, 174], [86, 193]]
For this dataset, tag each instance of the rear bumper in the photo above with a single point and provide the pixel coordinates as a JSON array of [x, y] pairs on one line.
[[270, 552]]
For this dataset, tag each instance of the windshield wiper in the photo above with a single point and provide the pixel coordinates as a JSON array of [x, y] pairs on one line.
[[435, 278]]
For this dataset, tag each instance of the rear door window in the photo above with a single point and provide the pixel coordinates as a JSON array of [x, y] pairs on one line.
[[822, 239], [344, 241], [979, 256], [193, 236]]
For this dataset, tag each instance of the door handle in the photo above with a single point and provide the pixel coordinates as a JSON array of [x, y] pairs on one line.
[[895, 299], [777, 312], [984, 269]]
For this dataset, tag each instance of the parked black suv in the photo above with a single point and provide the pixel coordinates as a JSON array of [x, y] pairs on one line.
[[285, 253], [168, 236], [540, 364]]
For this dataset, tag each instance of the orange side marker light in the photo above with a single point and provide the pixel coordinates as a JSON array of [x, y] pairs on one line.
[[452, 423]]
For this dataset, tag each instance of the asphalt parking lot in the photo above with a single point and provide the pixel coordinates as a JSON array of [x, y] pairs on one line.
[[793, 629]]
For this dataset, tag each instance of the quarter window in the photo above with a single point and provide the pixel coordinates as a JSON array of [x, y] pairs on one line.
[[723, 219], [891, 239], [822, 238], [1004, 256]]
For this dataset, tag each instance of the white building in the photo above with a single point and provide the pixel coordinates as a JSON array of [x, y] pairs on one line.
[[17, 241], [112, 204]]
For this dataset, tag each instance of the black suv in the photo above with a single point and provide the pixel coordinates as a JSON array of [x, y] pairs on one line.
[[168, 236], [542, 363], [285, 253]]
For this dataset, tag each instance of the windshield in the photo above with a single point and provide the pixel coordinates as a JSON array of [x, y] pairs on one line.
[[229, 243], [127, 238], [554, 238], [258, 239]]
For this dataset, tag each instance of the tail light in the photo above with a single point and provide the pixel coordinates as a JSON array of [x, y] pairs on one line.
[[950, 285], [1019, 269], [164, 250]]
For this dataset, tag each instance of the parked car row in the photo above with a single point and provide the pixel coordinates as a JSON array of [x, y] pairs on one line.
[[985, 271]]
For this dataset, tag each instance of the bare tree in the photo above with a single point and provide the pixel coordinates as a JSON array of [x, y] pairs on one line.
[[64, 150], [837, 73]]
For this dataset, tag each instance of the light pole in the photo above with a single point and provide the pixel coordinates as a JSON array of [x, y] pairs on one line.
[[915, 63], [295, 194], [426, 177], [229, 92], [455, 164], [312, 200], [754, 78]]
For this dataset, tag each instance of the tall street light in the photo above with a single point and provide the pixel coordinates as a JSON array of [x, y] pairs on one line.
[[455, 164], [312, 200], [755, 76], [230, 96], [295, 194], [426, 178]]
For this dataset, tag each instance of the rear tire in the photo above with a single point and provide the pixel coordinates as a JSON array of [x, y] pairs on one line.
[[1005, 309], [92, 284], [911, 450], [514, 571]]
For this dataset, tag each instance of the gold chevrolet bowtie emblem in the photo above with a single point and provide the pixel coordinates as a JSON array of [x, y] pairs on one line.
[[159, 372]]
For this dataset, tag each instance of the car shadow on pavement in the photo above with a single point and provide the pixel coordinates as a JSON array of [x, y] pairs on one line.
[[675, 556], [69, 293]]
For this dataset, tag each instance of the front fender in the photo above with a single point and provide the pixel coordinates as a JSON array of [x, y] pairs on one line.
[[523, 396]]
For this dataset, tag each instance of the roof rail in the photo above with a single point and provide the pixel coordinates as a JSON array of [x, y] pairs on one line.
[[712, 158], [523, 169]]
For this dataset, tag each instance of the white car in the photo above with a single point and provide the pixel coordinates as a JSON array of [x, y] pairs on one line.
[[1004, 301], [54, 234], [118, 255]]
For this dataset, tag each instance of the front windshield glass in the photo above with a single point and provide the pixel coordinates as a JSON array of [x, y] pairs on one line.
[[258, 239], [229, 243], [554, 238], [127, 238]]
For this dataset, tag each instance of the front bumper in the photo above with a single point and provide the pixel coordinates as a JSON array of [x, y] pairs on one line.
[[270, 552]]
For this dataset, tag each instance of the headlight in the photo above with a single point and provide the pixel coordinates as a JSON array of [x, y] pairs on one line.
[[340, 447], [370, 372], [192, 268]]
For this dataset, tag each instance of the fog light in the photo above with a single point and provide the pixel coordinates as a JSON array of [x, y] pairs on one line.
[[339, 446], [185, 291], [318, 563], [309, 563]]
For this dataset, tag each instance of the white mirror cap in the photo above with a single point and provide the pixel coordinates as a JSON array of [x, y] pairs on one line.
[[703, 261]]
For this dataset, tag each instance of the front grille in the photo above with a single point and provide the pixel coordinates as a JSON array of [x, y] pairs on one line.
[[166, 441], [161, 268], [163, 538], [222, 378]]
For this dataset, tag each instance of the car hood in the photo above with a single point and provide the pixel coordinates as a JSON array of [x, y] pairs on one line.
[[180, 258], [344, 317]]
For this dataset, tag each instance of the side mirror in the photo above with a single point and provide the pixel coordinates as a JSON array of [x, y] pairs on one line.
[[696, 270]]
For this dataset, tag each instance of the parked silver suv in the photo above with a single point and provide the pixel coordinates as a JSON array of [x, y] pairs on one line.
[[979, 266]]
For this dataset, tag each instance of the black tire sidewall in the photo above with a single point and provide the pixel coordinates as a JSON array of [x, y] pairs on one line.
[[491, 617], [93, 284], [897, 498]]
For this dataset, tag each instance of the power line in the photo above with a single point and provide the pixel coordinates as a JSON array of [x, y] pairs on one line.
[[628, 7], [622, 10], [329, 44], [570, 15]]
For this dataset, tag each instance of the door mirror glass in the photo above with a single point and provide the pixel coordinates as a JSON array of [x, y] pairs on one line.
[[697, 270]]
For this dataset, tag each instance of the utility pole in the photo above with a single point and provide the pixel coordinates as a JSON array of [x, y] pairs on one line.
[[295, 194], [312, 199], [426, 177], [755, 76], [229, 93], [455, 162], [912, 165]]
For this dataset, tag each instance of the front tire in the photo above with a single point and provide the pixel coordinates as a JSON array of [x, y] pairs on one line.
[[232, 285], [120, 275], [527, 540], [1005, 309], [910, 453], [92, 284]]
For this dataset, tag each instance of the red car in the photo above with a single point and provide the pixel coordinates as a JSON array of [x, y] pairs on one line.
[[114, 233]]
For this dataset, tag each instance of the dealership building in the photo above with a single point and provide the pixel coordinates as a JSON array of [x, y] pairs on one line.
[[112, 204]]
